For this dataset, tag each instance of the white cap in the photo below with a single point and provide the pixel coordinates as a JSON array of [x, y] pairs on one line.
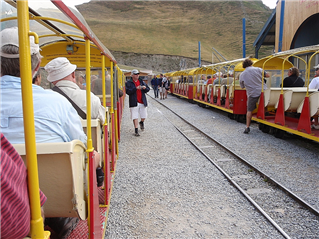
[[59, 68], [317, 66], [11, 36], [135, 72]]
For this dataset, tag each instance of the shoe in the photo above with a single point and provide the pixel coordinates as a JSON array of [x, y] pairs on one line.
[[142, 125], [61, 226], [137, 134], [247, 130], [315, 126], [99, 177]]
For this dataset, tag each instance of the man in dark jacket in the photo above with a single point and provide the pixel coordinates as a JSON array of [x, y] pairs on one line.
[[154, 83], [136, 90]]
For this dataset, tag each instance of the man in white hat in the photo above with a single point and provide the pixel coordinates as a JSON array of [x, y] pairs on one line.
[[62, 74], [314, 84], [136, 90], [54, 117]]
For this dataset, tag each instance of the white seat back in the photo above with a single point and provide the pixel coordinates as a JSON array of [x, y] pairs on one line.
[[313, 102], [62, 177]]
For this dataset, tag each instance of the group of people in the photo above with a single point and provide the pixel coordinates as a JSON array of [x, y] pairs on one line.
[[160, 85], [55, 117]]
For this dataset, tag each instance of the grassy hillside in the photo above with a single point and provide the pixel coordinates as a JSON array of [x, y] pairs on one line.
[[175, 27]]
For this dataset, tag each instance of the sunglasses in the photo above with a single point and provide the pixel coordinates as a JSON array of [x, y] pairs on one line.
[[137, 74], [316, 69]]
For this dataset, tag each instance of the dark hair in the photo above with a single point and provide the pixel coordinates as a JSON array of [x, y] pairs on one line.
[[247, 62], [294, 71]]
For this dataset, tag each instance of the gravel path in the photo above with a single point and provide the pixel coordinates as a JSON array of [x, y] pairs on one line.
[[164, 188], [294, 161]]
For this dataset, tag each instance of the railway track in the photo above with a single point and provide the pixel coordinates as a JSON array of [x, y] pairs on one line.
[[287, 212]]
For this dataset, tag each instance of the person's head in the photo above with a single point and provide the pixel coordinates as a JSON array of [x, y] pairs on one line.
[[135, 74], [317, 70], [60, 68], [247, 62], [37, 78], [79, 77], [293, 71], [209, 77], [10, 64]]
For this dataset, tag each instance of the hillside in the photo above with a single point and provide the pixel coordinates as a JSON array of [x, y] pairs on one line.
[[175, 27]]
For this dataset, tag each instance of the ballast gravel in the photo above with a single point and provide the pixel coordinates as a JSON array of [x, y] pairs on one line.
[[164, 188]]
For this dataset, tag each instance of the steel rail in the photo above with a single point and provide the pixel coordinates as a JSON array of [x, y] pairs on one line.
[[294, 196], [260, 172]]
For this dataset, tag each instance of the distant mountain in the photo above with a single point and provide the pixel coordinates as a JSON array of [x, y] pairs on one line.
[[176, 27]]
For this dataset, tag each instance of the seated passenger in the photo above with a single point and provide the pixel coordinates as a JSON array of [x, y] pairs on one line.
[[37, 78], [209, 80], [226, 78], [62, 74], [314, 84], [80, 80], [293, 79], [15, 206], [55, 119]]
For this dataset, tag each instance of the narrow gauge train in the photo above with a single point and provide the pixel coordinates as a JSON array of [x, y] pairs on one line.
[[65, 172], [294, 110]]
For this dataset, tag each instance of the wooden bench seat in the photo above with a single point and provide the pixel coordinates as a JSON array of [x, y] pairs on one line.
[[62, 177]]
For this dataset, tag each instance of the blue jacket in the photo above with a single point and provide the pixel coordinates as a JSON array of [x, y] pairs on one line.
[[131, 91], [154, 82]]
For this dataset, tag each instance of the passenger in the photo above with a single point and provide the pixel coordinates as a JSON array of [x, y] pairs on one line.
[[55, 119], [79, 77], [62, 74], [154, 83], [136, 90], [216, 78], [251, 79], [37, 78], [314, 84], [293, 79], [227, 77], [15, 206], [96, 83], [202, 80], [209, 80]]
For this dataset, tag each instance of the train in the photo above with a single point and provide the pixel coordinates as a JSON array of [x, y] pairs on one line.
[[65, 171], [280, 109]]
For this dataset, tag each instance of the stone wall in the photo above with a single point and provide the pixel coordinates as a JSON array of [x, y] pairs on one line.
[[157, 63]]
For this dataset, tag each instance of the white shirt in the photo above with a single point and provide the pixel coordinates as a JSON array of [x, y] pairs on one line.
[[314, 84], [55, 119], [78, 96]]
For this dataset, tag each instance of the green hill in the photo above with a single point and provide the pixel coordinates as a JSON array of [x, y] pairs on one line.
[[175, 27]]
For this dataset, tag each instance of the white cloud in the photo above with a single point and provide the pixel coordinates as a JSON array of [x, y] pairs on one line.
[[270, 3]]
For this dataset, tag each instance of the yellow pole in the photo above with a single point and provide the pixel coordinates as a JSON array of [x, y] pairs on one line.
[[36, 227], [88, 94]]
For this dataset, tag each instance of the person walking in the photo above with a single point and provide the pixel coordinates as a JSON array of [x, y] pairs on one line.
[[251, 79], [136, 90], [160, 85], [154, 83]]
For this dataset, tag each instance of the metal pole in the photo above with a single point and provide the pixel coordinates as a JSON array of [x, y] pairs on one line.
[[244, 37], [199, 60], [281, 28]]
